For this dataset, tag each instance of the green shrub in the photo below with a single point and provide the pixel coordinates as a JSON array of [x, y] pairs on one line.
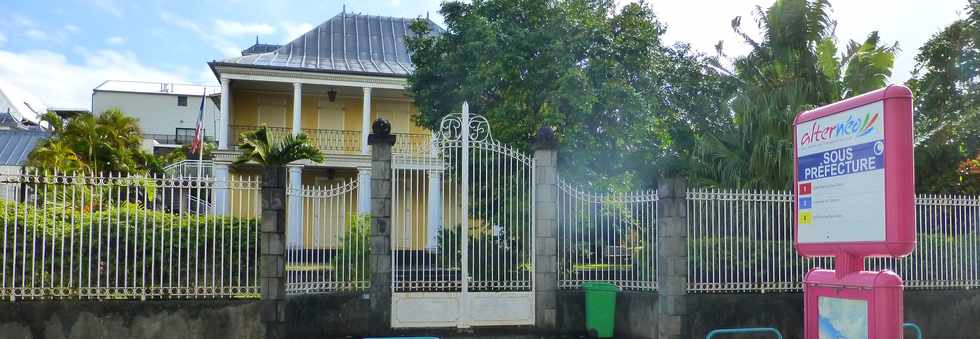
[[125, 246], [352, 263]]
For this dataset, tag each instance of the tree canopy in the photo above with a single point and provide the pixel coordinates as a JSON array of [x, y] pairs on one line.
[[598, 76], [109, 143], [795, 66], [946, 87], [628, 109]]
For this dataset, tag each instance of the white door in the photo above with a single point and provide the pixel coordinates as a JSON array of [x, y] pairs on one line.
[[272, 111], [329, 115]]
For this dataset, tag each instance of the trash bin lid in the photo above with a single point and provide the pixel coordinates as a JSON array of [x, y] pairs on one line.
[[600, 286]]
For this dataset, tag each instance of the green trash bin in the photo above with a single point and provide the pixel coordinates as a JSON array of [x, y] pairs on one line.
[[600, 308]]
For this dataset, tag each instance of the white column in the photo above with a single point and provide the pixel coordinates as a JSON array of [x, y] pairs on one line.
[[225, 119], [364, 190], [366, 121], [434, 216], [294, 208], [297, 108], [220, 187]]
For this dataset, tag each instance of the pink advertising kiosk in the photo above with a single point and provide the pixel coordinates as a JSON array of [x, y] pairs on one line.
[[854, 189]]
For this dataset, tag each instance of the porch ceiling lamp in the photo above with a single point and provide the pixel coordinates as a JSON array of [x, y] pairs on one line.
[[332, 95]]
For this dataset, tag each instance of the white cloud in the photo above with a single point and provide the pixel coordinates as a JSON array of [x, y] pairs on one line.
[[36, 34], [233, 28], [294, 29], [20, 19], [3, 39], [218, 42], [57, 81], [110, 6], [72, 28], [116, 40], [395, 3]]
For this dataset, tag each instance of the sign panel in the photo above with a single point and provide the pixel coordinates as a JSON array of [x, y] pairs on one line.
[[841, 176], [854, 184]]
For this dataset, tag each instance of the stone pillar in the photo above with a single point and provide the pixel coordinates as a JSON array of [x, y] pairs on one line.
[[672, 259], [221, 176], [272, 249], [225, 120], [381, 141], [433, 217], [364, 190], [546, 230], [297, 108], [294, 218], [365, 120]]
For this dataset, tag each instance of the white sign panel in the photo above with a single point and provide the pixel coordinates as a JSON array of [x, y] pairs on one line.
[[841, 176]]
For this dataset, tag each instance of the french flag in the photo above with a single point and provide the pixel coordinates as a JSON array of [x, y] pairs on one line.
[[199, 129]]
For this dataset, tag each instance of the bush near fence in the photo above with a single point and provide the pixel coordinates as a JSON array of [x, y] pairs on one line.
[[742, 241], [130, 251]]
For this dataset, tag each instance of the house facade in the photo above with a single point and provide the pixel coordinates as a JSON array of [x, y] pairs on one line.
[[167, 112], [330, 83]]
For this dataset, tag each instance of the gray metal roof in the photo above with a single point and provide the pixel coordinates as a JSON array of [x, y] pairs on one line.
[[347, 43], [258, 48], [16, 145]]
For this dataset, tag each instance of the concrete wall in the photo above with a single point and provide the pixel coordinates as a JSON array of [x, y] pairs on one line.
[[941, 314], [636, 314], [334, 315], [184, 319], [158, 113]]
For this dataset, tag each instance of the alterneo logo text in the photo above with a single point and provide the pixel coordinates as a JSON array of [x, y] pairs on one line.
[[852, 126]]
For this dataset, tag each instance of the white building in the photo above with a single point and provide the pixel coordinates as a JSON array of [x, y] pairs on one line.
[[167, 112], [19, 105]]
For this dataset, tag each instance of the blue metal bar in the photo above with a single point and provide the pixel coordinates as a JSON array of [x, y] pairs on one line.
[[913, 327], [744, 331]]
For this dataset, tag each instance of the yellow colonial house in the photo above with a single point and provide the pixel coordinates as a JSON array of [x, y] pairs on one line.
[[330, 83]]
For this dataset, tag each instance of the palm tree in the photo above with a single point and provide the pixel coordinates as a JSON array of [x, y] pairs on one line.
[[110, 142], [260, 147], [795, 67]]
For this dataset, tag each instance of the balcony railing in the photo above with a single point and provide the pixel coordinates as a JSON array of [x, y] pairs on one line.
[[344, 141]]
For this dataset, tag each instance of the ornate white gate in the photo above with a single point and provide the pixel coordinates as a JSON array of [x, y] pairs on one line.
[[463, 231]]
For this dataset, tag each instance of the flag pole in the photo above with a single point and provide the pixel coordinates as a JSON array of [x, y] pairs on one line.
[[200, 152]]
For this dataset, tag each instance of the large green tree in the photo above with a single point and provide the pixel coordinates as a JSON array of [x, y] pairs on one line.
[[598, 75], [795, 66], [109, 143], [946, 87]]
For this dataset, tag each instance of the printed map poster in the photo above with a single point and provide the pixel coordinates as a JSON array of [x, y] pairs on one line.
[[841, 176], [842, 318]]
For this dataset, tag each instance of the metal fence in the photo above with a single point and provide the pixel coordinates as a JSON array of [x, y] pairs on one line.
[[344, 141], [189, 168], [333, 249], [607, 237], [742, 241], [128, 237]]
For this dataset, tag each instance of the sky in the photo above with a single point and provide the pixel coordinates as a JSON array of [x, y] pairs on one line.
[[60, 50]]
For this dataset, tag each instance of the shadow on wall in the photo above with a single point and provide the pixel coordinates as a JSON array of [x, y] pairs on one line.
[[176, 319], [636, 313], [948, 314]]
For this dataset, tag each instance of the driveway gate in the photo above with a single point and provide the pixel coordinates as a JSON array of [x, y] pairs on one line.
[[463, 231]]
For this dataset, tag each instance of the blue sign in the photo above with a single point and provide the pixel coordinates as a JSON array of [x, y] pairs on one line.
[[859, 158], [806, 203]]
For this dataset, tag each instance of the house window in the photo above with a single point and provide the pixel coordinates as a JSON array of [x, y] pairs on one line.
[[182, 101]]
